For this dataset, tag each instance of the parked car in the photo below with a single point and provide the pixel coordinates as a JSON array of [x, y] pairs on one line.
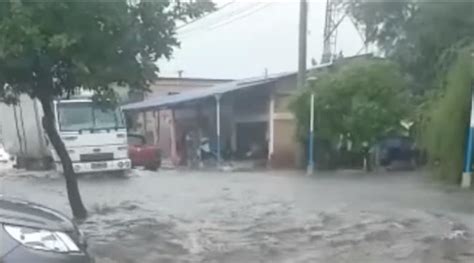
[[31, 232], [143, 154]]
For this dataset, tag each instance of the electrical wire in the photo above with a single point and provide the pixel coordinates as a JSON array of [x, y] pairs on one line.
[[211, 21], [240, 14], [241, 17], [206, 15]]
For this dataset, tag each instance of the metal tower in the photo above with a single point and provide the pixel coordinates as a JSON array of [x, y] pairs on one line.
[[334, 16]]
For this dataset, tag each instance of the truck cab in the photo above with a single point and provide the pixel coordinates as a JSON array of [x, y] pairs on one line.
[[95, 137]]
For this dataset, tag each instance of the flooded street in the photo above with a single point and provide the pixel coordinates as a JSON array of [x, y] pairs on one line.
[[183, 216]]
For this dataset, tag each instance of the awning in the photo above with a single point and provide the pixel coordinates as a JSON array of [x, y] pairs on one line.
[[194, 95]]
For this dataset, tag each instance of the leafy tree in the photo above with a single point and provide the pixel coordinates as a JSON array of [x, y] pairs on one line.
[[431, 41], [359, 100], [50, 48], [445, 118], [416, 33]]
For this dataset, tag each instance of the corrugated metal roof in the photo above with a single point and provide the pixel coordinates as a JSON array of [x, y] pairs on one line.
[[193, 95]]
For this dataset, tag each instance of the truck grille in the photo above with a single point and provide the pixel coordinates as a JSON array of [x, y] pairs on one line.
[[96, 157]]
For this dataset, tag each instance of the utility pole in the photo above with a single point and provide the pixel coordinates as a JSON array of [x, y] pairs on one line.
[[302, 38], [303, 32]]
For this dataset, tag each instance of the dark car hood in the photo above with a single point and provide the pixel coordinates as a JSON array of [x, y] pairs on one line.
[[19, 212]]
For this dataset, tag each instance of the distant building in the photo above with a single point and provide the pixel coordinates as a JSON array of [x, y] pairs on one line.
[[156, 128], [254, 116]]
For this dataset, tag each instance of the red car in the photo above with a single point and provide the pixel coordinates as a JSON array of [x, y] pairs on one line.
[[143, 154]]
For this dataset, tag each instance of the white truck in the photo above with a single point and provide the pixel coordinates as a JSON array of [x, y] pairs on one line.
[[96, 139]]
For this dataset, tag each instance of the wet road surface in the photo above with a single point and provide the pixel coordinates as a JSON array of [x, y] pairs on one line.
[[183, 216]]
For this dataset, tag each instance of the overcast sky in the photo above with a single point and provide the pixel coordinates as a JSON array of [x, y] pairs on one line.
[[244, 37]]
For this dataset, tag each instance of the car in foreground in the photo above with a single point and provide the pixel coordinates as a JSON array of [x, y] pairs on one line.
[[31, 232], [143, 154]]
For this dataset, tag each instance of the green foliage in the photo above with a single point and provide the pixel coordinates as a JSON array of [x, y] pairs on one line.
[[446, 118], [382, 21], [49, 48], [432, 42], [360, 100], [416, 33]]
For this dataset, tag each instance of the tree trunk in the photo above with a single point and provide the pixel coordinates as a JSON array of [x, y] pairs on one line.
[[75, 201]]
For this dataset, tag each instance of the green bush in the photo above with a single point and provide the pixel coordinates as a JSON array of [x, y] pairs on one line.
[[445, 119], [359, 100]]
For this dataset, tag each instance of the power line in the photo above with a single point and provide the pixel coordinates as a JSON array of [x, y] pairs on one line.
[[240, 14], [240, 17], [219, 20], [225, 16], [206, 15], [236, 13]]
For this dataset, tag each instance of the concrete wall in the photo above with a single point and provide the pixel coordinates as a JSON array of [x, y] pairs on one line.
[[285, 150], [286, 85]]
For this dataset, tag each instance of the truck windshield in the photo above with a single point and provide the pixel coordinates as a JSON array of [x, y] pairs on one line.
[[84, 116]]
